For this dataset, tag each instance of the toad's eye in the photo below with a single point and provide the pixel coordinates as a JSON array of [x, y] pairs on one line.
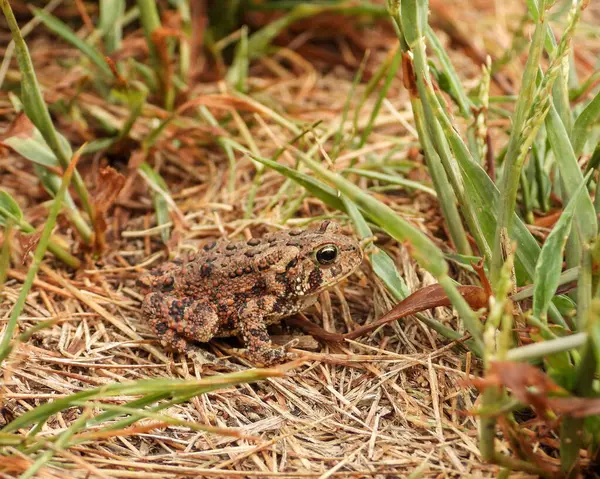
[[327, 254]]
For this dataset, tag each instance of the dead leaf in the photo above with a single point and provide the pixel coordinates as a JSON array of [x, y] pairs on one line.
[[28, 243], [21, 127], [110, 183], [527, 383], [575, 406], [159, 38], [430, 297]]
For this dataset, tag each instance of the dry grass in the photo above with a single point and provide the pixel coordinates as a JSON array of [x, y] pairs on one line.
[[379, 407]]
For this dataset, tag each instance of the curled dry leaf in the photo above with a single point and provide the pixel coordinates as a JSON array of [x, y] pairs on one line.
[[430, 297], [110, 183], [527, 383]]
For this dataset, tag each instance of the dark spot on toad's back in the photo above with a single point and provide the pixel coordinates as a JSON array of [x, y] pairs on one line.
[[259, 288], [176, 310], [161, 328], [263, 265], [168, 284], [209, 246], [291, 264], [206, 270]]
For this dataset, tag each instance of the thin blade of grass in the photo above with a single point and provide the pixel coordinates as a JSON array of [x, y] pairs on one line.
[[66, 33], [381, 94], [5, 253], [108, 23], [10, 212], [441, 181], [315, 187], [586, 119], [571, 175], [146, 414], [238, 72], [35, 107], [382, 264], [160, 198], [393, 179], [168, 388], [549, 265], [458, 92], [5, 343], [515, 155]]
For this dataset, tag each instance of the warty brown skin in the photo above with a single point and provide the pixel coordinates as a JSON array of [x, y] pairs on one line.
[[239, 288]]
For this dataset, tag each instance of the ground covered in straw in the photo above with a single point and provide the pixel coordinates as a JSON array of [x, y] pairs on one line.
[[381, 406]]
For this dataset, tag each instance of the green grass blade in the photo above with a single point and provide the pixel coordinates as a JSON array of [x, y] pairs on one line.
[[160, 197], [5, 253], [238, 72], [150, 20], [112, 30], [66, 33], [441, 181], [40, 250], [382, 264], [35, 107], [9, 209], [315, 187], [584, 123], [168, 387], [381, 94], [515, 156], [456, 88], [571, 175], [33, 147], [393, 179], [549, 265]]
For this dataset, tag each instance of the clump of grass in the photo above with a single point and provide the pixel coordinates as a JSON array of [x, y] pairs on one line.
[[491, 212]]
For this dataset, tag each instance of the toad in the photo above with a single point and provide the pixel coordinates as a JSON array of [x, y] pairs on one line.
[[240, 288]]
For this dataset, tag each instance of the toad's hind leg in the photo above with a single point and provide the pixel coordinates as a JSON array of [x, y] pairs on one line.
[[178, 321]]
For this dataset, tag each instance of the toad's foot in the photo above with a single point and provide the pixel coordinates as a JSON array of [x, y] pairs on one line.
[[269, 356]]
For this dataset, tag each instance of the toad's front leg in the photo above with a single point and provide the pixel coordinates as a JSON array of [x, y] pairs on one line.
[[256, 338]]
